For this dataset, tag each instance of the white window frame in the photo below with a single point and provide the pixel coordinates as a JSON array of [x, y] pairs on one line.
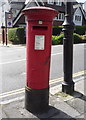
[[58, 2], [62, 18], [50, 1]]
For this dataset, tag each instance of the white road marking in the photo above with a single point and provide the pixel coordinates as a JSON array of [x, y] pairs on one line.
[[56, 53], [11, 100], [10, 92], [14, 93], [14, 61], [13, 50]]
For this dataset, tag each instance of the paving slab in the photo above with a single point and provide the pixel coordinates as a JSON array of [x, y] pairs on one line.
[[67, 109], [16, 110], [77, 104]]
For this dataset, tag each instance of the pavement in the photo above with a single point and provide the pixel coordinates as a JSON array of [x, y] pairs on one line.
[[62, 106], [12, 45]]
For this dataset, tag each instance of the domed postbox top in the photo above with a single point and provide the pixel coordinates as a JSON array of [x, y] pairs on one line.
[[40, 13]]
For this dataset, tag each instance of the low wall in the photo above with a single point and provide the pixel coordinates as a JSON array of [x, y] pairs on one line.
[[0, 37]]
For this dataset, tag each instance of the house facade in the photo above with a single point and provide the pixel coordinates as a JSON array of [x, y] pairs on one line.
[[59, 6], [16, 6], [79, 17]]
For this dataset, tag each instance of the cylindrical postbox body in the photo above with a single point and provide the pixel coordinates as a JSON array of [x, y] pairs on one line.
[[38, 42]]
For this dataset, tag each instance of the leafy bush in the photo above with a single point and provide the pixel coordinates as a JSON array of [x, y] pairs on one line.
[[16, 35], [77, 38], [83, 37], [57, 30], [12, 35], [60, 38], [57, 39], [80, 30]]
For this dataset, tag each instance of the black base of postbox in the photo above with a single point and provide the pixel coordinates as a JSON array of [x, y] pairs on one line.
[[37, 100]]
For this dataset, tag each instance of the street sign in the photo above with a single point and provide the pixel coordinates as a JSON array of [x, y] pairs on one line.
[[8, 18], [9, 23]]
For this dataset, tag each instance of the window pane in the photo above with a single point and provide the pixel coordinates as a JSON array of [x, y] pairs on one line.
[[62, 16], [58, 2], [51, 1], [78, 18], [59, 15]]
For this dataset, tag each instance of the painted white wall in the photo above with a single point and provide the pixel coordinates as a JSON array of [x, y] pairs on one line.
[[27, 1], [78, 13], [5, 9]]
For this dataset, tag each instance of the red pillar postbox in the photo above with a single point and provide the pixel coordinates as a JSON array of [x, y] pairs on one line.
[[38, 42]]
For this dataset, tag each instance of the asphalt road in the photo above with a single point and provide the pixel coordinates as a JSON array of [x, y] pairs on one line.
[[13, 65]]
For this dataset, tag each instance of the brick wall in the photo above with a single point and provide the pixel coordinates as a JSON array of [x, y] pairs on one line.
[[1, 37]]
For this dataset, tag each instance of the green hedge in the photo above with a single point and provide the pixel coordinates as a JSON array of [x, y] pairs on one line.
[[81, 30], [17, 35], [77, 38], [57, 30], [59, 39]]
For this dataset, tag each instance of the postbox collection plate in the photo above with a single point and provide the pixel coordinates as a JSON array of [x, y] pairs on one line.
[[39, 42]]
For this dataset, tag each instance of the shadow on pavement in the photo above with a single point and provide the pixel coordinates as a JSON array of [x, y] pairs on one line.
[[77, 94], [54, 113]]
